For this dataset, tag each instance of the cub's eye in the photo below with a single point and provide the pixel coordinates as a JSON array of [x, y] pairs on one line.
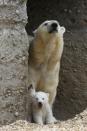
[[36, 98], [42, 98], [45, 24]]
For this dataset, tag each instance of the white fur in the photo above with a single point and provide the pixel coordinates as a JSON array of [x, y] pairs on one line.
[[40, 71], [44, 114]]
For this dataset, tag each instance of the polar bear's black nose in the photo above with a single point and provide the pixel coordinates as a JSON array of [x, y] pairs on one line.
[[54, 25], [40, 104]]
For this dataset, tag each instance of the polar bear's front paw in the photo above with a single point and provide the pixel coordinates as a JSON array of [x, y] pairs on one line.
[[55, 120], [51, 120]]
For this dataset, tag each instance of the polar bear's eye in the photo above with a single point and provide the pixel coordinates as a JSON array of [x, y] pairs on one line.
[[42, 98], [45, 24]]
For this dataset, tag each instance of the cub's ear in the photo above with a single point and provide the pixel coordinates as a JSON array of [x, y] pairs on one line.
[[62, 29], [47, 95]]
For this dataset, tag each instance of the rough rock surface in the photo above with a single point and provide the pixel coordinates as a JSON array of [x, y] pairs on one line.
[[72, 91], [13, 60]]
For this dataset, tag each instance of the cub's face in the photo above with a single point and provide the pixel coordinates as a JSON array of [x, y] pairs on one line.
[[49, 28], [40, 99]]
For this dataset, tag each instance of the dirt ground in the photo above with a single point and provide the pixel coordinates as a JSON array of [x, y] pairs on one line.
[[79, 123]]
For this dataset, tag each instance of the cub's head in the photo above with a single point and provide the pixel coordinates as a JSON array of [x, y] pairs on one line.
[[49, 28], [40, 99]]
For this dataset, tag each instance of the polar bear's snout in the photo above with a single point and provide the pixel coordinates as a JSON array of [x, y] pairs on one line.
[[53, 27], [47, 27]]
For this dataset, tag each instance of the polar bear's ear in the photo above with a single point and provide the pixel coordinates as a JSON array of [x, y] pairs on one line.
[[30, 87], [31, 90], [62, 29], [35, 31]]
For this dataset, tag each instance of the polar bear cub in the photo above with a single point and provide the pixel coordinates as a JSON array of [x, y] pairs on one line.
[[41, 110]]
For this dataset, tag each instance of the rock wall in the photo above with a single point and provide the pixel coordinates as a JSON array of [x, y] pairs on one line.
[[72, 90], [13, 60]]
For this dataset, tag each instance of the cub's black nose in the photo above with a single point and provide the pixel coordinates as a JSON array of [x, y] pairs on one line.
[[54, 25], [39, 104]]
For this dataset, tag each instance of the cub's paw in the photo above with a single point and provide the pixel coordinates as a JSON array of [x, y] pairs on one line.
[[55, 120], [51, 120], [39, 122]]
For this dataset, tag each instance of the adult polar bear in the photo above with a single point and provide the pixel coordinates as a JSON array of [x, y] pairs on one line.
[[44, 57]]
